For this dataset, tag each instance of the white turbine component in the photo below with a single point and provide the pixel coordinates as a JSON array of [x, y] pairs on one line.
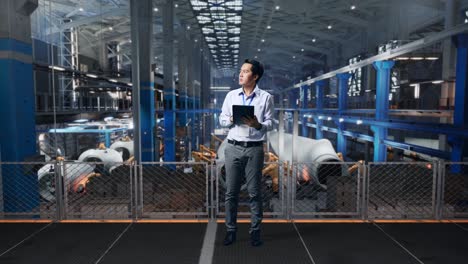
[[125, 148], [72, 171], [309, 151], [109, 157], [220, 152], [312, 153]]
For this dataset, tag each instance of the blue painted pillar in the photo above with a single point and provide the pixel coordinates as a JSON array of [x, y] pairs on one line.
[[194, 123], [17, 109], [182, 115], [319, 98], [292, 98], [460, 118], [147, 114], [383, 69], [169, 126], [143, 80], [305, 100], [108, 139], [169, 86], [342, 106]]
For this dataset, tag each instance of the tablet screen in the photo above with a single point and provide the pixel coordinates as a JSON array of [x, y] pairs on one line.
[[239, 111]]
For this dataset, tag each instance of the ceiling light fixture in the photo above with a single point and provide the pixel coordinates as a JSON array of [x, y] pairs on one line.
[[314, 40], [353, 7], [57, 68], [91, 75], [268, 27], [277, 7], [155, 9], [329, 27]]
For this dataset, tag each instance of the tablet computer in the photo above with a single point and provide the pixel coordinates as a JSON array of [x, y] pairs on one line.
[[239, 111]]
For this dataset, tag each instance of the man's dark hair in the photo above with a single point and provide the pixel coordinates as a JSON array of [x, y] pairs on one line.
[[257, 68]]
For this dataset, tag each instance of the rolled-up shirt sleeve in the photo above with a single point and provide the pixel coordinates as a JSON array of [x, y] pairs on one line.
[[225, 116], [267, 123]]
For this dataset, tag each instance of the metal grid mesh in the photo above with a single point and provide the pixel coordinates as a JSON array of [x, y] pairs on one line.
[[273, 191], [27, 190], [97, 190], [183, 190], [401, 190], [174, 190], [327, 189], [454, 202]]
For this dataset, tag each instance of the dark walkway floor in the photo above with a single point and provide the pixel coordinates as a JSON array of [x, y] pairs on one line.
[[283, 243]]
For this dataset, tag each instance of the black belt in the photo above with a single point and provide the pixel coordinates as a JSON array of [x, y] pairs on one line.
[[246, 144]]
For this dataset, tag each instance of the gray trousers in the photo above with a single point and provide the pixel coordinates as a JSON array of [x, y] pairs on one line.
[[243, 162]]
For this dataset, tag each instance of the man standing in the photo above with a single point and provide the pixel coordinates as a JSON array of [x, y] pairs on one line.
[[244, 155]]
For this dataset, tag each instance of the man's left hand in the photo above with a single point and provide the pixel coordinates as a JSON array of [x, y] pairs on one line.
[[251, 122]]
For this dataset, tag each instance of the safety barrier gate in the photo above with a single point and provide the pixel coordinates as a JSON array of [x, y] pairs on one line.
[[195, 190]]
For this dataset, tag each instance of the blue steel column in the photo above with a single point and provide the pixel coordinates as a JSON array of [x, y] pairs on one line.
[[196, 71], [460, 118], [182, 74], [17, 107], [190, 91], [342, 106], [169, 89], [291, 99], [143, 80], [381, 107], [305, 99], [319, 97]]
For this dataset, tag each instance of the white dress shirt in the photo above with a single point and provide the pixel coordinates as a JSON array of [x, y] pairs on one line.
[[263, 104]]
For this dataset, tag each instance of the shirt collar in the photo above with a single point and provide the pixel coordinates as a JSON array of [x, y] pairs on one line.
[[256, 91]]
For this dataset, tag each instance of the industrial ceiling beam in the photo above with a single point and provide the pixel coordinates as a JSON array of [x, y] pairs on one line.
[[410, 47], [91, 19]]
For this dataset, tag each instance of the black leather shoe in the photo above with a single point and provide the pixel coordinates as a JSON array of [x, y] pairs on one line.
[[229, 238], [255, 240]]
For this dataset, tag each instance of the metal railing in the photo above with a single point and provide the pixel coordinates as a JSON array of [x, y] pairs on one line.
[[173, 190], [189, 190], [96, 190], [401, 190], [453, 190], [326, 190]]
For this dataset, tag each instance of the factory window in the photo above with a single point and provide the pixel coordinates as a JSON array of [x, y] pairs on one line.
[[355, 81]]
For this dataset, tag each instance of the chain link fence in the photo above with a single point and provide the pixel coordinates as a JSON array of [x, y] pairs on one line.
[[96, 190], [72, 190], [326, 190], [454, 190], [173, 190], [273, 191], [401, 190], [28, 190]]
